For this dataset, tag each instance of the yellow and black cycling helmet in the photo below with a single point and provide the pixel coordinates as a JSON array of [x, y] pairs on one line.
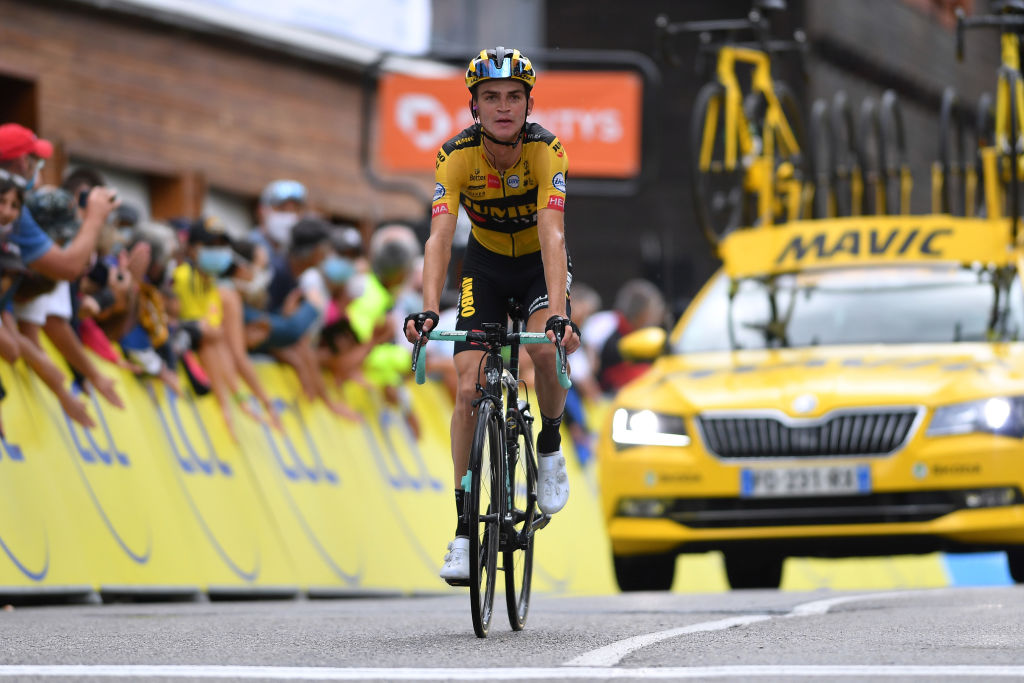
[[501, 62]]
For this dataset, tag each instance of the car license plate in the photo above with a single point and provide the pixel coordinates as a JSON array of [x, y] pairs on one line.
[[782, 482]]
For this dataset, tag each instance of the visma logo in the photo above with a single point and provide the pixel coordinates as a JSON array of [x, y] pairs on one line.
[[106, 473], [221, 501]]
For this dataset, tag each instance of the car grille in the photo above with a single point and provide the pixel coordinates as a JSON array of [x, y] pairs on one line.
[[838, 434], [875, 508]]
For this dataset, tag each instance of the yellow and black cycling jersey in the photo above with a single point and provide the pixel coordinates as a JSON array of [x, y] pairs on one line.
[[502, 206]]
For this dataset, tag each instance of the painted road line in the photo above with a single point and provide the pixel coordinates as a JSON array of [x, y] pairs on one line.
[[612, 654], [313, 673]]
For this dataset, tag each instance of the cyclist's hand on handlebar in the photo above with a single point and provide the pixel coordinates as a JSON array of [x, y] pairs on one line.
[[418, 324], [560, 326]]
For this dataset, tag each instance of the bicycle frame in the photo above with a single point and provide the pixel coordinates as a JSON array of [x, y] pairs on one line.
[[761, 177]]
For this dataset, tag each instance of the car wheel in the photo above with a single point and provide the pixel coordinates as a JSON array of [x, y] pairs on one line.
[[746, 569], [1015, 560], [645, 572]]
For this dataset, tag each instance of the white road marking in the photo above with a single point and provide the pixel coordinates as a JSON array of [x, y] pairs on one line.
[[612, 654], [314, 673]]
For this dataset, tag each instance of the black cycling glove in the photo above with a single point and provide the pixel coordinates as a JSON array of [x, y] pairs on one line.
[[558, 323], [420, 318]]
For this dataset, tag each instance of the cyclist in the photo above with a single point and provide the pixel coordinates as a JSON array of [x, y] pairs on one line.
[[509, 176]]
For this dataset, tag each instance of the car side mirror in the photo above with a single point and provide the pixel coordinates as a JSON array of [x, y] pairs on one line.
[[645, 344]]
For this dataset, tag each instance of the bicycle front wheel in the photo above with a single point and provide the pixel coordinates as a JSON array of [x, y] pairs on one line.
[[483, 510], [716, 181], [517, 559]]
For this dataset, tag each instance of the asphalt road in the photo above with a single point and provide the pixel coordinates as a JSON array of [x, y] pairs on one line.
[[951, 634]]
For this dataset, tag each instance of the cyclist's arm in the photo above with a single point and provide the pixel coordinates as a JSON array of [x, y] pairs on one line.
[[551, 231], [436, 254]]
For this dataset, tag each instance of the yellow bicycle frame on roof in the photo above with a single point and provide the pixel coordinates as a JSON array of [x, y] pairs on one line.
[[991, 171], [866, 240], [761, 174]]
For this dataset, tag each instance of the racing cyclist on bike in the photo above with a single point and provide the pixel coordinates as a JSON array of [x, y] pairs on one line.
[[509, 176]]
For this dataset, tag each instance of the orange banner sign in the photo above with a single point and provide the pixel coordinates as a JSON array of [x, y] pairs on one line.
[[596, 115]]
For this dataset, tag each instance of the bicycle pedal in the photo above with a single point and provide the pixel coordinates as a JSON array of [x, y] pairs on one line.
[[458, 583]]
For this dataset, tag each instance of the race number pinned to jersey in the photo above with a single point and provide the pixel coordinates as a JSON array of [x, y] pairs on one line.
[[438, 191], [513, 181], [559, 182]]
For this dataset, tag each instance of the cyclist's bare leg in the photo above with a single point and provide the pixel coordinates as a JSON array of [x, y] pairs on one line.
[[467, 365], [550, 394]]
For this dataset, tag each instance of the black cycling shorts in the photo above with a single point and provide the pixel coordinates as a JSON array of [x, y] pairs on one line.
[[489, 280]]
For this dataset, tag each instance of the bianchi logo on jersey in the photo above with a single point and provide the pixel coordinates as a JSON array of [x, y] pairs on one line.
[[559, 182], [513, 181], [438, 191]]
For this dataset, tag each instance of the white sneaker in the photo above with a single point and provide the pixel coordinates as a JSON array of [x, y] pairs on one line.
[[456, 561], [552, 483]]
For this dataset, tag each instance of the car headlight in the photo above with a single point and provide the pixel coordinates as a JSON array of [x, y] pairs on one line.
[[1000, 415], [648, 428]]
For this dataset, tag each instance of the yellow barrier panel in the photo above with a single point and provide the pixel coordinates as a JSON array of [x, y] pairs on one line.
[[159, 498]]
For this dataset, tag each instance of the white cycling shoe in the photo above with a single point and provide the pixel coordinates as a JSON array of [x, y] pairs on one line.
[[456, 562], [552, 483]]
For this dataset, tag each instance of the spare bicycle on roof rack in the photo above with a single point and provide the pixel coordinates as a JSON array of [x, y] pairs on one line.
[[750, 161]]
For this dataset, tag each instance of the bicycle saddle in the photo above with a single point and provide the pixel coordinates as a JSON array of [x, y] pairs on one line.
[[1007, 7], [770, 5]]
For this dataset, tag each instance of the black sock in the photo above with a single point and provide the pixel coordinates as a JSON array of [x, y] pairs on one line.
[[461, 528], [550, 438]]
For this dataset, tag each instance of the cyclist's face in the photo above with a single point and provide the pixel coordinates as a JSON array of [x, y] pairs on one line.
[[503, 107]]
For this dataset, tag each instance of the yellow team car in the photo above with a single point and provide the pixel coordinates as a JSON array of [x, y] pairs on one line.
[[845, 387]]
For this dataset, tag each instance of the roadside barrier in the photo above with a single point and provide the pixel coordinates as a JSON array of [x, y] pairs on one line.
[[159, 499]]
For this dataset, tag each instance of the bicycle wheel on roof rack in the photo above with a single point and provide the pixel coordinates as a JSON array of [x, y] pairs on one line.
[[849, 175], [951, 169], [798, 159], [984, 134], [872, 157], [898, 179], [720, 202], [823, 161]]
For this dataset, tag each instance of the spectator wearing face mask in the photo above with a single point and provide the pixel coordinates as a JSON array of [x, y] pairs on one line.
[[282, 204], [218, 327]]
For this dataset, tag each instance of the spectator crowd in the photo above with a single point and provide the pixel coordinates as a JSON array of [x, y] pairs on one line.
[[185, 303]]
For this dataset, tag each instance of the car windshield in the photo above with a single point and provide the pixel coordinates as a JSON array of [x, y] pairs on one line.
[[902, 305]]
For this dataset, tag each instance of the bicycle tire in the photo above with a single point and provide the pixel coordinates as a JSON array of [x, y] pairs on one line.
[[984, 136], [517, 559], [483, 510], [823, 163], [798, 158], [849, 177], [1013, 187], [872, 157], [952, 158], [897, 176], [717, 190]]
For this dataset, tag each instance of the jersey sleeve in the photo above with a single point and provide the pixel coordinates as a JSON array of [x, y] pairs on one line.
[[552, 169], [447, 186]]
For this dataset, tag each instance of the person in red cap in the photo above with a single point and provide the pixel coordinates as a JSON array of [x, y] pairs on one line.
[[22, 156]]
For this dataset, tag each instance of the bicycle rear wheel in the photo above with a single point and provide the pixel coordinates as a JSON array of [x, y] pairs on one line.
[[823, 162], [517, 560], [716, 183], [896, 168], [872, 157], [849, 178], [949, 191], [482, 508]]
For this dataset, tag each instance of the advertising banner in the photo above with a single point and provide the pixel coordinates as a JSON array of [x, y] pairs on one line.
[[596, 115]]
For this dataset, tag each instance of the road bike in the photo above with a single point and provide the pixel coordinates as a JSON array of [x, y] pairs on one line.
[[747, 166], [501, 483], [997, 125]]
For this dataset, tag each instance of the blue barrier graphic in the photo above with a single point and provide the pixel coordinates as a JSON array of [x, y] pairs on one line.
[[14, 454], [298, 469], [205, 465]]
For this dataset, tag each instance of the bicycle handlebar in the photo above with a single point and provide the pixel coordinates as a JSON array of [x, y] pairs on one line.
[[755, 21], [419, 369], [963, 22]]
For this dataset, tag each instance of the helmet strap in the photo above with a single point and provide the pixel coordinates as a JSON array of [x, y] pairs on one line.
[[495, 140]]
